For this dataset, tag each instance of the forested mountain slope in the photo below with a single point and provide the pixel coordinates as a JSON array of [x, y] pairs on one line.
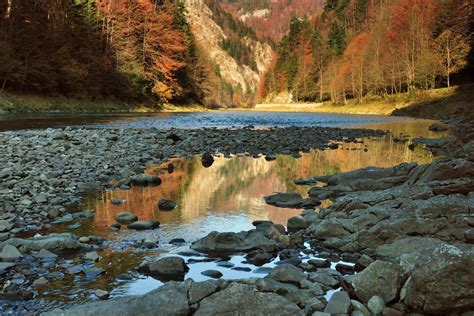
[[136, 50], [237, 57], [270, 18], [356, 48]]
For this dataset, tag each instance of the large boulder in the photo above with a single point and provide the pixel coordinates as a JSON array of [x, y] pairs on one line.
[[234, 242], [169, 268], [407, 245], [170, 299], [242, 299], [380, 278], [442, 281], [63, 241]]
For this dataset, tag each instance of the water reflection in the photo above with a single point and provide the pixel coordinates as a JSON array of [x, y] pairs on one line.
[[228, 196]]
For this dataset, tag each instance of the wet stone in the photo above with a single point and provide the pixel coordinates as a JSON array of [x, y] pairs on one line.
[[212, 274]]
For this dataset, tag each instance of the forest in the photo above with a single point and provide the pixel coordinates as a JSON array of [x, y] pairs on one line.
[[106, 49], [356, 48]]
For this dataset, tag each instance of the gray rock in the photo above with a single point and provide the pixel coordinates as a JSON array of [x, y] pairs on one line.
[[212, 274], [324, 278], [358, 306], [41, 282], [200, 290], [144, 225], [92, 273], [379, 278], [6, 265], [338, 304], [92, 256], [233, 242], [207, 160], [166, 205], [170, 299], [296, 223], [10, 253], [407, 245], [5, 226], [288, 200], [242, 299], [168, 268], [144, 180], [287, 273], [101, 294], [64, 241], [320, 314], [126, 218], [442, 281], [376, 305], [43, 253]]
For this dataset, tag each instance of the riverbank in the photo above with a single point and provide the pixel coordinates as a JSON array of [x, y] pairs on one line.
[[375, 105], [10, 104]]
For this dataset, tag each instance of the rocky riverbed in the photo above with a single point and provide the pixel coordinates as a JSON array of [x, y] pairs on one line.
[[408, 232], [380, 242]]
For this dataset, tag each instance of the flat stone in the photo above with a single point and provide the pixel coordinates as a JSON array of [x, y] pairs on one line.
[[41, 282], [6, 265], [287, 273], [126, 218], [166, 205], [144, 225], [101, 294], [246, 300], [212, 274], [168, 268], [43, 253], [93, 256], [169, 299], [338, 304], [200, 290], [5, 225], [10, 253], [92, 273]]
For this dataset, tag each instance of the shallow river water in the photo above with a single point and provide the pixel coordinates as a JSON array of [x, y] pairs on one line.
[[227, 196]]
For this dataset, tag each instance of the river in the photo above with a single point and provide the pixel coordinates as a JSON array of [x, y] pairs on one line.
[[228, 196]]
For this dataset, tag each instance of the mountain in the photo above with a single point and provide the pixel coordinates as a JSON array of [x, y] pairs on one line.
[[237, 57], [271, 18]]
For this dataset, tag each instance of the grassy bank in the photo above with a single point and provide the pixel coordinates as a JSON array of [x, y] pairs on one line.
[[10, 103], [371, 105]]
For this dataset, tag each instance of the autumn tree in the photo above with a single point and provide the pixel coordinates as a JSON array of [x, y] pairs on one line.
[[452, 52]]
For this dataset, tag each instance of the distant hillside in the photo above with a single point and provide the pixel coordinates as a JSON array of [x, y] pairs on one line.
[[270, 18]]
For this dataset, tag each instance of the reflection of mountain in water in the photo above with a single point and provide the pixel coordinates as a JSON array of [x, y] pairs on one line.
[[236, 186]]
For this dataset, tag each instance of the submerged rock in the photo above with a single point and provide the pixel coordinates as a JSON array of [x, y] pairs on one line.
[[145, 179], [63, 241]]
